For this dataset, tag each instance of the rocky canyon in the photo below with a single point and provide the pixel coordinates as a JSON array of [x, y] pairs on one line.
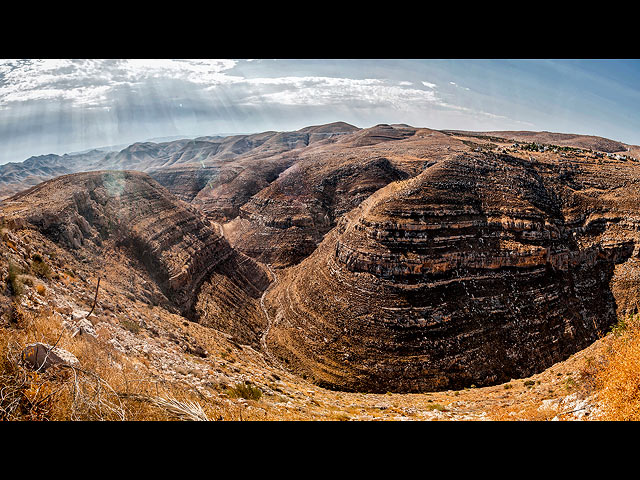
[[391, 259]]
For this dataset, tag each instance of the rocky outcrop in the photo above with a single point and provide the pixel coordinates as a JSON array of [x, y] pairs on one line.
[[41, 356], [482, 268], [237, 182], [185, 182]]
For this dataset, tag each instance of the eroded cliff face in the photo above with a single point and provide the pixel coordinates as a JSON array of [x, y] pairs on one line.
[[93, 212], [482, 268], [283, 223]]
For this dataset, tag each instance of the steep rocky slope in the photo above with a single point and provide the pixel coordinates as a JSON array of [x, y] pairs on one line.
[[284, 222], [95, 213], [482, 268], [140, 347]]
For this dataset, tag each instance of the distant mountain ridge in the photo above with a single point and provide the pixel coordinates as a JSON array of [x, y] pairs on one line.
[[211, 153], [146, 156]]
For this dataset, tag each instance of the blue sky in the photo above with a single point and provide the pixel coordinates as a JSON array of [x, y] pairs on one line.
[[61, 105]]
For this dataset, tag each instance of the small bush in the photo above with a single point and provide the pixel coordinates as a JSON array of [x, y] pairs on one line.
[[131, 325], [245, 390], [39, 267], [437, 406], [14, 282], [620, 327], [16, 314]]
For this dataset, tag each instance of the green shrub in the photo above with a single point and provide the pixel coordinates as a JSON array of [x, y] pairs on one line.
[[39, 267], [436, 406], [245, 390], [620, 327], [131, 325]]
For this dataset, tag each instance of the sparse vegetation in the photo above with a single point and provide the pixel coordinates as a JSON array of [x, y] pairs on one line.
[[620, 327], [96, 390], [39, 267], [616, 376], [245, 390], [129, 324], [570, 384], [13, 281]]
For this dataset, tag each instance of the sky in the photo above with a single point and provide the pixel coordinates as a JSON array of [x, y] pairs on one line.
[[68, 105]]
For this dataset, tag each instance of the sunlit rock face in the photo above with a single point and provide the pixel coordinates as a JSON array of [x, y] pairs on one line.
[[481, 269], [173, 240]]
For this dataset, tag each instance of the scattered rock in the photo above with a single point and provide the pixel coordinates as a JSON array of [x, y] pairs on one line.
[[40, 356], [80, 327]]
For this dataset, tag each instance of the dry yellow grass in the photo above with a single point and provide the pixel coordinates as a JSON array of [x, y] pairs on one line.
[[616, 378], [107, 387]]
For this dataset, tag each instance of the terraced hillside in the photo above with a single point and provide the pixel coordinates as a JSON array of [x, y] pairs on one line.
[[482, 268]]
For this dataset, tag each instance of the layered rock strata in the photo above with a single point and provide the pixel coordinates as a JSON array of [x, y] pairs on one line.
[[179, 248], [481, 269], [283, 223]]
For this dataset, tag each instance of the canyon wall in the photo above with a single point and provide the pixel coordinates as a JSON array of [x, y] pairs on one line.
[[482, 268], [177, 245]]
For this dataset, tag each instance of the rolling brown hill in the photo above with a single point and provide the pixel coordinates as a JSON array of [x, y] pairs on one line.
[[562, 139]]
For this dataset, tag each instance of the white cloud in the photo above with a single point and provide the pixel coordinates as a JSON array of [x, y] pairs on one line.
[[330, 91], [134, 89], [459, 86], [88, 82]]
